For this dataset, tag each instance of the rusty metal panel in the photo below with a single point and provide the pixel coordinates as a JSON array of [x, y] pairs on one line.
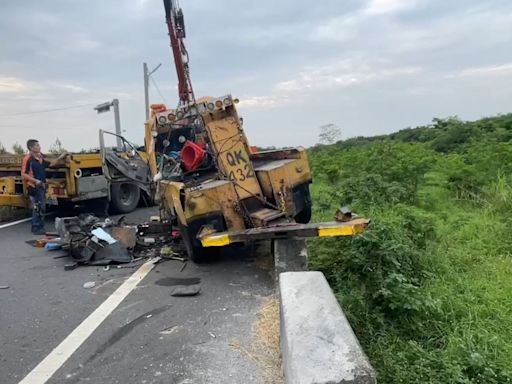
[[214, 196], [233, 156]]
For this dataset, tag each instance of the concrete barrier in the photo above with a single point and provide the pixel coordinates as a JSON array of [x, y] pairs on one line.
[[318, 345]]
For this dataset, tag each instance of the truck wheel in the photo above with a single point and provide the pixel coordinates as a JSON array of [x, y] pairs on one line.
[[196, 253], [304, 216], [124, 197]]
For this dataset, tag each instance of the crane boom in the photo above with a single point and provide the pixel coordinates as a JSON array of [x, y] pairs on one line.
[[176, 27]]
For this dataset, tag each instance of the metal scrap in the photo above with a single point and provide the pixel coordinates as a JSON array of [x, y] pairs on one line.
[[88, 240]]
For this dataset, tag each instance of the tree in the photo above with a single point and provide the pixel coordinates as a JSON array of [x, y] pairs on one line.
[[56, 148], [329, 134], [18, 149], [3, 151]]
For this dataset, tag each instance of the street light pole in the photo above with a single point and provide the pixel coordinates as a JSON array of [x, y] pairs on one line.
[[117, 119], [105, 107]]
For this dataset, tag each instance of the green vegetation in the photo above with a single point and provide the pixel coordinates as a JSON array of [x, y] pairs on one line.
[[18, 149], [428, 287]]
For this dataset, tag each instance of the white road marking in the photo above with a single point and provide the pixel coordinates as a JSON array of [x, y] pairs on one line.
[[15, 223], [20, 221], [51, 363]]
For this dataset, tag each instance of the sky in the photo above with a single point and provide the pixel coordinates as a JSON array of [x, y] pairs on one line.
[[367, 66]]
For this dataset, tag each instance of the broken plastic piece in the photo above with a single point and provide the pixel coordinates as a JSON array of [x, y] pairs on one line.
[[102, 235]]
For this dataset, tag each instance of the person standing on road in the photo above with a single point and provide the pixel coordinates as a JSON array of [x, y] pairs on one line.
[[33, 172]]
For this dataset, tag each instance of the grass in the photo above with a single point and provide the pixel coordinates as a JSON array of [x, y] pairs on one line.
[[427, 289]]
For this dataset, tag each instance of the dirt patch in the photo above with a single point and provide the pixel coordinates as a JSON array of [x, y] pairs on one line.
[[264, 349]]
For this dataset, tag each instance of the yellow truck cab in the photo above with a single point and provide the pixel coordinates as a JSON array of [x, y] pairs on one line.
[[81, 180]]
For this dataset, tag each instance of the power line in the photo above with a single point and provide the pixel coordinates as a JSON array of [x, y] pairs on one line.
[[158, 89], [47, 110]]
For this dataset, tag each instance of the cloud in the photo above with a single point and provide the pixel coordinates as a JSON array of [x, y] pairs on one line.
[[341, 75], [309, 82], [12, 85], [265, 102], [379, 7], [487, 71]]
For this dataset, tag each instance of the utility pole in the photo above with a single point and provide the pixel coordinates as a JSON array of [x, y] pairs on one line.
[[147, 73], [146, 89]]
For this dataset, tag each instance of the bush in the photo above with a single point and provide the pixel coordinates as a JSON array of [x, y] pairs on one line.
[[427, 287]]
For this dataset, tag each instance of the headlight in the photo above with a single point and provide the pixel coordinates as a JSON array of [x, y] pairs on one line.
[[227, 101], [219, 104], [179, 115], [162, 119], [210, 106], [171, 116]]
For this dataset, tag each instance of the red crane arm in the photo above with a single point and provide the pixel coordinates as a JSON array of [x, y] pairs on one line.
[[176, 28]]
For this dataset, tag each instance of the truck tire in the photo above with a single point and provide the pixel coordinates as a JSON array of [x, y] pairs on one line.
[[302, 201], [304, 216], [124, 197], [197, 254]]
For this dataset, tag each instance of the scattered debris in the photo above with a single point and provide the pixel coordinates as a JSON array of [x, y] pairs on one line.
[[70, 266], [89, 284], [156, 260], [88, 240], [127, 236], [343, 214], [53, 246], [212, 335], [185, 290], [102, 235], [166, 251], [171, 281], [170, 330], [4, 287], [127, 266], [182, 259]]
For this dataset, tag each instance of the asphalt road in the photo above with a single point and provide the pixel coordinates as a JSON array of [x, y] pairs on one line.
[[151, 337]]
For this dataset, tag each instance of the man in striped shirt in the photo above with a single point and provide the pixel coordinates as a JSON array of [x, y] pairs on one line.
[[33, 172]]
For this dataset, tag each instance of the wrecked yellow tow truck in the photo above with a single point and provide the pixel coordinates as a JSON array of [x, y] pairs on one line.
[[218, 191]]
